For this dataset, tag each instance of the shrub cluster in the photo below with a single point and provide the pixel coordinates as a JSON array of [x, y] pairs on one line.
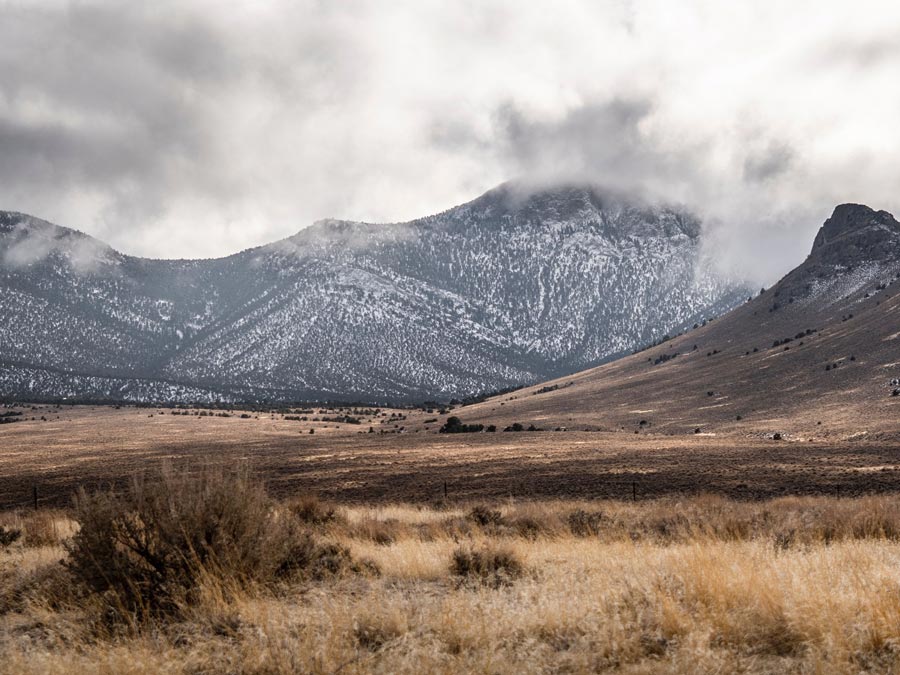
[[584, 523], [312, 511], [518, 426], [9, 536], [485, 516], [454, 425], [663, 358], [11, 416], [489, 565], [149, 549]]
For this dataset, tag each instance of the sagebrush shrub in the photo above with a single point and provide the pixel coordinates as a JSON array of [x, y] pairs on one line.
[[490, 565], [304, 556], [9, 536], [152, 544], [584, 523], [310, 509], [485, 516], [40, 529], [150, 548]]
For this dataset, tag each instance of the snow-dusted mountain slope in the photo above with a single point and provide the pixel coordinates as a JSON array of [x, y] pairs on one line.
[[816, 356], [509, 289]]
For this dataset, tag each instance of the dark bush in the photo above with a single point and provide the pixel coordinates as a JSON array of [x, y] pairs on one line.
[[310, 510], [489, 565], [454, 425], [149, 549], [151, 545], [304, 556], [584, 523], [485, 516], [9, 536]]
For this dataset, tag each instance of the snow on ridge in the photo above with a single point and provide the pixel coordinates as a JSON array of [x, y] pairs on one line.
[[477, 298]]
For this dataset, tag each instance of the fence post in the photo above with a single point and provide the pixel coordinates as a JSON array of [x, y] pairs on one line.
[[34, 496], [633, 491], [445, 489]]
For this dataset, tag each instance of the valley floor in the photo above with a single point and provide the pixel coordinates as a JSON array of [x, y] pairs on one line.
[[405, 459], [507, 552]]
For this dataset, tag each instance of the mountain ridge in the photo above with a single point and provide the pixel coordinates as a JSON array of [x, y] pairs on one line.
[[814, 356], [508, 289]]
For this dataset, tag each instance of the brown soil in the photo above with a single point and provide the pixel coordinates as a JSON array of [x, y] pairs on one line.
[[96, 446]]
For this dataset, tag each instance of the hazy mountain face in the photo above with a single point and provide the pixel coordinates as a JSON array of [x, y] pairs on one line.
[[509, 289]]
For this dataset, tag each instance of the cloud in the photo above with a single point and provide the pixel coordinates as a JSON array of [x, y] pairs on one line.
[[31, 240], [196, 129], [769, 163], [590, 140]]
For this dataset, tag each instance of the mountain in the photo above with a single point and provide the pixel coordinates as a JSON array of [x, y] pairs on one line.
[[815, 356], [512, 288]]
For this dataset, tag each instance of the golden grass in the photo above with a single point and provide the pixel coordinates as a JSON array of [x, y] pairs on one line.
[[700, 585]]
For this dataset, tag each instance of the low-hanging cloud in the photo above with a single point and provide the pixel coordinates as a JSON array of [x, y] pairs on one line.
[[186, 129]]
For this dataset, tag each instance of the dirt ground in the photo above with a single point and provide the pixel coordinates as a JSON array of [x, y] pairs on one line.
[[85, 446]]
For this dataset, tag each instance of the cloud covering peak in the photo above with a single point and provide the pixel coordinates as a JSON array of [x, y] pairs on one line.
[[186, 129]]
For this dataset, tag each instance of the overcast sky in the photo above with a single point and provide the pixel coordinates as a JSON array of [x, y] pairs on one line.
[[195, 129]]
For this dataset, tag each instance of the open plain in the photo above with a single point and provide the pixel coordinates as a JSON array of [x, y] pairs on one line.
[[98, 446]]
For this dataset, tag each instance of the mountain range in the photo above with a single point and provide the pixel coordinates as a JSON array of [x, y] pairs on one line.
[[815, 357], [515, 287]]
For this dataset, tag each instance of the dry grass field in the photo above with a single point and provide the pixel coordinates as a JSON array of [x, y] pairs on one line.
[[551, 551], [679, 585]]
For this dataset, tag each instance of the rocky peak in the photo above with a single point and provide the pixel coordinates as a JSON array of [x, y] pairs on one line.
[[856, 225], [517, 206], [856, 249]]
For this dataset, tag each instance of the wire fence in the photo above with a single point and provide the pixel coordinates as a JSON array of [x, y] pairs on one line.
[[36, 497]]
